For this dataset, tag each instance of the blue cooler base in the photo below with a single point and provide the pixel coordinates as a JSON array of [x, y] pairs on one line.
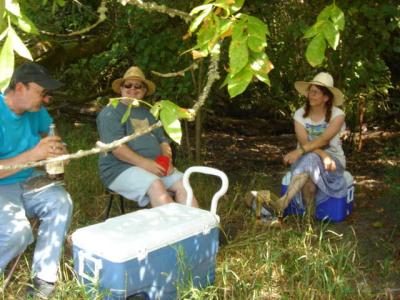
[[333, 209], [187, 263]]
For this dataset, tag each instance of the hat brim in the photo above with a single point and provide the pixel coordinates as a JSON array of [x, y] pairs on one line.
[[116, 85], [302, 88], [49, 84]]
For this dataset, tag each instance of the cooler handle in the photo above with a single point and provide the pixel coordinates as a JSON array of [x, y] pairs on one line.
[[82, 255], [208, 171], [350, 194]]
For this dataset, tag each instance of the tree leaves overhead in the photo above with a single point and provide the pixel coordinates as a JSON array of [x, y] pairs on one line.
[[11, 11], [6, 63], [325, 31], [248, 40], [315, 53]]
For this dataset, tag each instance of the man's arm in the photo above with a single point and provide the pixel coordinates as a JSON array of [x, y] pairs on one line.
[[47, 147], [124, 153]]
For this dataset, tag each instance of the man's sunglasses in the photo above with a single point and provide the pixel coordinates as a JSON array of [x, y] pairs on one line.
[[136, 86]]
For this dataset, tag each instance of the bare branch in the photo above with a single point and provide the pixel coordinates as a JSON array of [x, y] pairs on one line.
[[100, 148], [194, 66], [213, 75], [151, 6], [102, 16]]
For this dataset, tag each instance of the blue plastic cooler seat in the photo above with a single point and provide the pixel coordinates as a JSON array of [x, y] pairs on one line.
[[333, 209]]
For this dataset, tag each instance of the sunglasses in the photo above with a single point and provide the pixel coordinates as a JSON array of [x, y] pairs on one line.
[[136, 86]]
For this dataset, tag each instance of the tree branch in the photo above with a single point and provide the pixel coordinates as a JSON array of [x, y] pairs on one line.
[[193, 66], [151, 6], [213, 75]]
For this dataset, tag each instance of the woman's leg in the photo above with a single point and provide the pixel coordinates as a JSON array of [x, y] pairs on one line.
[[308, 192], [295, 186]]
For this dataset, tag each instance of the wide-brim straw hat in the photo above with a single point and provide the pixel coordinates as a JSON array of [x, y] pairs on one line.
[[134, 73], [322, 79]]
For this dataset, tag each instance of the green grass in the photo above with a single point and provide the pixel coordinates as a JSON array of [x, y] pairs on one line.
[[297, 261]]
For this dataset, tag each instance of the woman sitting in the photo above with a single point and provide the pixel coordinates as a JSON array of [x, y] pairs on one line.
[[318, 162]]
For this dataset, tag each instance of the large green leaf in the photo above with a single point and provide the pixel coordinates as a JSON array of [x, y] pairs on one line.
[[238, 55], [25, 24], [18, 45], [256, 44], [313, 30], [204, 36], [315, 52], [256, 27], [237, 84], [325, 14], [12, 6], [127, 113], [237, 5], [155, 110], [197, 21], [261, 65], [4, 34], [6, 63], [171, 124], [200, 8], [179, 112], [331, 34], [337, 17]]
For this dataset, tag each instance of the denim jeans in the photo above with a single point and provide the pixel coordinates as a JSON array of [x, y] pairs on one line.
[[53, 207]]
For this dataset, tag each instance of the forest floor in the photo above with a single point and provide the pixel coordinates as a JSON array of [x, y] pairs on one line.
[[375, 220]]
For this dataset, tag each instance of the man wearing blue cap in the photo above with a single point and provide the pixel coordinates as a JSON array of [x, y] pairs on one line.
[[24, 123]]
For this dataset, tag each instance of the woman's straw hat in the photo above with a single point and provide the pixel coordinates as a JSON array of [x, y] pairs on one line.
[[134, 73], [322, 79]]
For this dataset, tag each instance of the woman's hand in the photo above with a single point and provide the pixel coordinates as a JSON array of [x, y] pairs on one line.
[[329, 163], [292, 156]]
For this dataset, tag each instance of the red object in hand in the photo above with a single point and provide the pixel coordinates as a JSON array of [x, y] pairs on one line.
[[163, 161]]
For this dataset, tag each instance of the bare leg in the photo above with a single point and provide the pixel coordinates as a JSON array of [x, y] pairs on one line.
[[296, 184], [180, 193], [309, 190], [158, 194]]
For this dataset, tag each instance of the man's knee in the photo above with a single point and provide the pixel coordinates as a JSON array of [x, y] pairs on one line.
[[59, 204], [158, 194]]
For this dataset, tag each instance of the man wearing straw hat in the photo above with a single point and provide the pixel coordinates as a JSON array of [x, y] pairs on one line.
[[140, 170], [23, 122]]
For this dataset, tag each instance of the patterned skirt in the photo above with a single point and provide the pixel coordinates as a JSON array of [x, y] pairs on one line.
[[329, 183]]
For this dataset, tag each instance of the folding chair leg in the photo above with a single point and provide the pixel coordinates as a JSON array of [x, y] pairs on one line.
[[121, 204], [109, 205]]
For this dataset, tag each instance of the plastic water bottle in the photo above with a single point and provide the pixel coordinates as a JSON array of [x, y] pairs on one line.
[[55, 170]]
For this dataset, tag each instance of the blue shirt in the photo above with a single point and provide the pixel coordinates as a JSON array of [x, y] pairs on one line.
[[20, 133]]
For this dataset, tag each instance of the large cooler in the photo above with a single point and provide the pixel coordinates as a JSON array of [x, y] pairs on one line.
[[150, 252]]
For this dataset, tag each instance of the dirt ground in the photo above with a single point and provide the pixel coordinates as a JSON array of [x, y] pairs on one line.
[[375, 221]]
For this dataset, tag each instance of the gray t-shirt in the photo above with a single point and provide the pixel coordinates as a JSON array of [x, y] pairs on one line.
[[110, 129]]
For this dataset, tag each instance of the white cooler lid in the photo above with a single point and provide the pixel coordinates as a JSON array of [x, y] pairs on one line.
[[136, 234]]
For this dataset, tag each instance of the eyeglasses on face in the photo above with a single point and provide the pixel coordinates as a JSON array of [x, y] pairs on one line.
[[314, 92], [136, 86], [46, 93]]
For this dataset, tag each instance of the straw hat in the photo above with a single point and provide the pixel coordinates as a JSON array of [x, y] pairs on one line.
[[134, 73], [322, 79]]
